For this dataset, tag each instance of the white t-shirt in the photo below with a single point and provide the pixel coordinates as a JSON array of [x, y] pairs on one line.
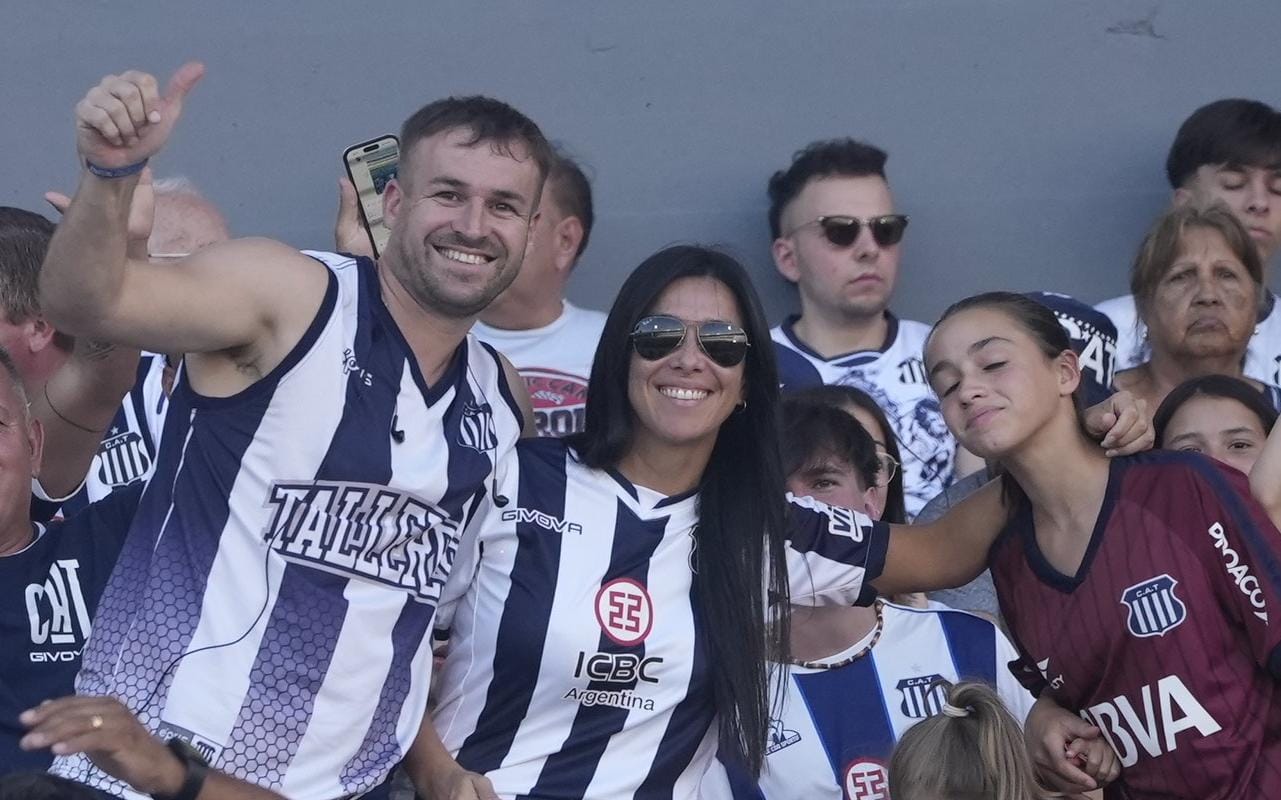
[[1262, 359], [556, 363]]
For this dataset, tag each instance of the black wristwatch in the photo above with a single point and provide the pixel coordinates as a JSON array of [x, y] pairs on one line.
[[194, 766]]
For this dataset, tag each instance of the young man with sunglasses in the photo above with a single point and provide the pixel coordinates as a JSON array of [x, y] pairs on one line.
[[1229, 151], [836, 236]]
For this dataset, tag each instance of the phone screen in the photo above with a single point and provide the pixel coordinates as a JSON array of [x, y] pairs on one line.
[[370, 165]]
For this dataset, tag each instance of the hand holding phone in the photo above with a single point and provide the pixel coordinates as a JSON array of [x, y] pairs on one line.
[[370, 165]]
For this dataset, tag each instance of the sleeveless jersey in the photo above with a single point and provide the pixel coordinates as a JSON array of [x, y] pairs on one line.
[[895, 377], [579, 665], [273, 601]]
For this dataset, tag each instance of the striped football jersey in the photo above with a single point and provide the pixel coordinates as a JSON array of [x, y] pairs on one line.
[[578, 665], [836, 728], [273, 601]]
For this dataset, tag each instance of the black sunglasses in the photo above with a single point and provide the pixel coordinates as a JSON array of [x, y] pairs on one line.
[[660, 335], [843, 231]]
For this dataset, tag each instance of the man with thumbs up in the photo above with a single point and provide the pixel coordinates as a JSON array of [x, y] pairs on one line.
[[333, 426]]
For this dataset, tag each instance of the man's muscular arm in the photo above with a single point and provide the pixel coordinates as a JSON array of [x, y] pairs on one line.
[[254, 297]]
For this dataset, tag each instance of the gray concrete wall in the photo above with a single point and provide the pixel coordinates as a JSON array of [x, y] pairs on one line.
[[1026, 137]]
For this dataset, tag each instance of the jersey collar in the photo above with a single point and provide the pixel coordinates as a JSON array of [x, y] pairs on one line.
[[789, 332]]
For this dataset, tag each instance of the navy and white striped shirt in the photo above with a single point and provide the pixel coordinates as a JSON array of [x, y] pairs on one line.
[[127, 454], [836, 728], [274, 598], [578, 664]]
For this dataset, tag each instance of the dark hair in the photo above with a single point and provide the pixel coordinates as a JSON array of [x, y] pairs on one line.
[[842, 396], [1050, 336], [1163, 243], [572, 193], [978, 754], [487, 119], [1233, 131], [24, 240], [814, 432], [824, 159], [42, 786], [1213, 386], [742, 510]]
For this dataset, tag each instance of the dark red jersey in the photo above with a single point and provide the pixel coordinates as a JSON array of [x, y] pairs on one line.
[[1167, 638]]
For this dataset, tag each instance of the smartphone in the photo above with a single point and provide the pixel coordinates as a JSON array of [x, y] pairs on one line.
[[370, 165]]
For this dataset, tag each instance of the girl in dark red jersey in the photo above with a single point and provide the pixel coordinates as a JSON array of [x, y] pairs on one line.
[[1141, 591]]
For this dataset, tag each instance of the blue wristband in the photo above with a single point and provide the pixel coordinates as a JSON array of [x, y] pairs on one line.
[[121, 172]]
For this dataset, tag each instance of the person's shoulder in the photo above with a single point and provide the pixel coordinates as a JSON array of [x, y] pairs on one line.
[[1173, 472], [914, 330], [1122, 306], [336, 262], [545, 451], [108, 516], [940, 612], [585, 316], [783, 336], [953, 494], [1271, 324]]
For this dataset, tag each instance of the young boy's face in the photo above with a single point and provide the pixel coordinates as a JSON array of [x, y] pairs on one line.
[[836, 482], [1252, 192]]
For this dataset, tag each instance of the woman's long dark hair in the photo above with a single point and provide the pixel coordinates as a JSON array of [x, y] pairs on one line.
[[742, 511], [1223, 386], [840, 396]]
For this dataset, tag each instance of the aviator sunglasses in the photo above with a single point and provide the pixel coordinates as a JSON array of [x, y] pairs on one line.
[[843, 231], [660, 335]]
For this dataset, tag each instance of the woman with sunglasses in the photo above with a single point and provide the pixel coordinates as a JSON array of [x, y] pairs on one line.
[[609, 604]]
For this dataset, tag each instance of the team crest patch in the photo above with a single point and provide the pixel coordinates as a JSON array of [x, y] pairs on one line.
[[780, 737], [122, 459], [923, 696], [867, 779], [1154, 609], [625, 611], [476, 429]]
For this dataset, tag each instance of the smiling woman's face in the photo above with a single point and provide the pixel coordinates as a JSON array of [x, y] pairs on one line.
[[682, 398]]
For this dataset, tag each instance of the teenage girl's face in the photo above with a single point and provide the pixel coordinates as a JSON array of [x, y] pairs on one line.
[[996, 386], [682, 398], [1219, 427]]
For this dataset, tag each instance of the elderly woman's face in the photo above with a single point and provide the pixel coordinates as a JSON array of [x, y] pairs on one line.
[[1206, 303]]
